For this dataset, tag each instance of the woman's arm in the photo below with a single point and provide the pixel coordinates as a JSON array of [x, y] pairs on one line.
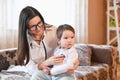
[[31, 66], [51, 61]]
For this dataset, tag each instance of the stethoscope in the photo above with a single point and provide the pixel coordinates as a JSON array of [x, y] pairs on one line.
[[43, 47], [44, 50]]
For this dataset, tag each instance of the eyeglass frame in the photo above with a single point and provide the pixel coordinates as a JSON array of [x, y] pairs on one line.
[[39, 24]]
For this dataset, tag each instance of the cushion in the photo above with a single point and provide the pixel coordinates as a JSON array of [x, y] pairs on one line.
[[101, 53], [84, 54], [4, 64], [7, 58], [96, 72], [14, 75]]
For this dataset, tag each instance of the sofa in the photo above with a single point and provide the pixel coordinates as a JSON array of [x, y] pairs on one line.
[[97, 62]]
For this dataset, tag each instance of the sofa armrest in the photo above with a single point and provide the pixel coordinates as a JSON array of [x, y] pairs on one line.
[[106, 54]]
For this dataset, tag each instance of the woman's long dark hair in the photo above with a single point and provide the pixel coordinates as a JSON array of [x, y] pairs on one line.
[[23, 47]]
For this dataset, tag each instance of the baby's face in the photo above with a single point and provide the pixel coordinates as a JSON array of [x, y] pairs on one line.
[[67, 40]]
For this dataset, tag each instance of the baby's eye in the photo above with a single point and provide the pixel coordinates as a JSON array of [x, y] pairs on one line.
[[72, 37], [65, 37]]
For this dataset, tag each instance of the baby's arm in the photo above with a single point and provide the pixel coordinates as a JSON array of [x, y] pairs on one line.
[[58, 69]]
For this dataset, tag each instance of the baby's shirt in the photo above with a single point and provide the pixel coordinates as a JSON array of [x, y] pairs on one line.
[[70, 56]]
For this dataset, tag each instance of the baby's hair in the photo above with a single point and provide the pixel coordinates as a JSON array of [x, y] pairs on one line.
[[62, 28]]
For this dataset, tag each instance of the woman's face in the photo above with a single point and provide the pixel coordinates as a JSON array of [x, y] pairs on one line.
[[36, 27]]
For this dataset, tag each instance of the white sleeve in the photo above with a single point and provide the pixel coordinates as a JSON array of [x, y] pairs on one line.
[[58, 69], [31, 67]]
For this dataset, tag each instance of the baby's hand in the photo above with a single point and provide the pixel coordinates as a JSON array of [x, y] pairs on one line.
[[46, 70]]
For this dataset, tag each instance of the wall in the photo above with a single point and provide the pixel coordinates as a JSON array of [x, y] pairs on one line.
[[97, 21]]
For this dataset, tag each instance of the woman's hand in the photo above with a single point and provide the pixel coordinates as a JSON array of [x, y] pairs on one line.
[[52, 61], [75, 65]]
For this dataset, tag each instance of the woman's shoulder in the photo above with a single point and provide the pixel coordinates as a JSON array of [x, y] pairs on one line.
[[50, 28], [50, 38]]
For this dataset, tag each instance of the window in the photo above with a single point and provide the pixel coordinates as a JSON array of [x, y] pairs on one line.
[[55, 12]]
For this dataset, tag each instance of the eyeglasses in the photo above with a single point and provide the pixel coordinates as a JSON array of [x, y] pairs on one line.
[[34, 27]]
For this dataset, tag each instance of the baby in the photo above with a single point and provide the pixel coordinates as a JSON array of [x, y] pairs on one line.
[[65, 38]]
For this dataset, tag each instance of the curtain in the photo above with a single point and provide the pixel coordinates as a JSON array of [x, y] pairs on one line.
[[81, 21], [8, 36], [55, 12]]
